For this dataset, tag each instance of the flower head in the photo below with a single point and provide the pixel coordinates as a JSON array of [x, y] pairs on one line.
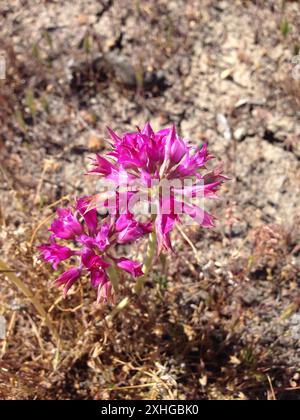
[[55, 254], [131, 267], [66, 226], [90, 246], [164, 168]]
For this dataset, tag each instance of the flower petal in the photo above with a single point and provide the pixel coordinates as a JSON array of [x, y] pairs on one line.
[[66, 226], [98, 277], [54, 253], [102, 238], [68, 278], [92, 261], [132, 267], [199, 215], [89, 214]]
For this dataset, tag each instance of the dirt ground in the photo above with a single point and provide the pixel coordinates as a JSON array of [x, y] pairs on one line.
[[219, 323]]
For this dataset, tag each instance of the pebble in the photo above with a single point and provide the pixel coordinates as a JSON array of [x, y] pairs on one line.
[[2, 327], [239, 133]]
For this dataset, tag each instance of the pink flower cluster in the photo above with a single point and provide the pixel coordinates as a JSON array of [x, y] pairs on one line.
[[144, 158], [91, 244], [137, 159]]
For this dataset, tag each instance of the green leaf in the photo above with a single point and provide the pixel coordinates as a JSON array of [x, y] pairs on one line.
[[87, 44], [48, 39], [285, 28], [36, 52], [20, 120], [45, 104], [30, 102]]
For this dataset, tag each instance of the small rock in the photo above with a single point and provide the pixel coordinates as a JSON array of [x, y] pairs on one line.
[[2, 328], [227, 73], [223, 126], [95, 143], [122, 68], [88, 117], [250, 296], [239, 133], [82, 19]]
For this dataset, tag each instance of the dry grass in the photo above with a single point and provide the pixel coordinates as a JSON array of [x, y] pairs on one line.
[[172, 342]]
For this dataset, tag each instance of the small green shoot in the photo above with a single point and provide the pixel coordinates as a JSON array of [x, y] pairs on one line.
[[285, 28]]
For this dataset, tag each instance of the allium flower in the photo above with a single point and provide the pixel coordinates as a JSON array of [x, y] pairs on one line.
[[68, 278], [146, 162], [90, 246], [131, 267], [66, 226], [55, 254], [129, 230]]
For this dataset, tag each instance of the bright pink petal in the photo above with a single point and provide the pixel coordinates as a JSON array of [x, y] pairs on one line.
[[55, 254], [98, 277], [132, 267], [105, 292], [68, 278], [102, 166], [164, 224], [129, 230], [147, 130], [113, 135], [89, 215], [92, 261], [102, 238], [199, 215], [66, 226]]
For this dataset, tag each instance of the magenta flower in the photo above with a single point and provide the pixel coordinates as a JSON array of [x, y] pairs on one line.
[[68, 278], [55, 253], [131, 267], [66, 226], [129, 230], [157, 175], [91, 244], [147, 162]]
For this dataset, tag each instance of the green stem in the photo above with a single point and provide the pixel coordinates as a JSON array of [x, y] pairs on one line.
[[151, 251], [114, 278], [119, 308]]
